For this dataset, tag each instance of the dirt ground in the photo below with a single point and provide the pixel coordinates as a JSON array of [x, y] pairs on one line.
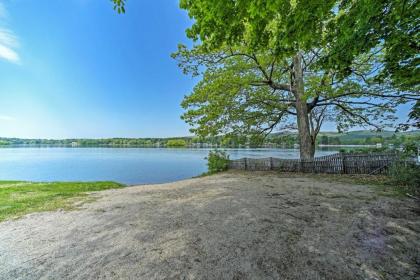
[[233, 225]]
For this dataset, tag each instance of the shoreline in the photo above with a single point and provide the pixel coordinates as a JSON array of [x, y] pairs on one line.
[[177, 148]]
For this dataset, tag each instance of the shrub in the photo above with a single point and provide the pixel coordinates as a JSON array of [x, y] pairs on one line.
[[406, 177], [217, 161], [410, 149], [176, 143]]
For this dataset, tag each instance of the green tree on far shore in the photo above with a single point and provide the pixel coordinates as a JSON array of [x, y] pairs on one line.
[[176, 143]]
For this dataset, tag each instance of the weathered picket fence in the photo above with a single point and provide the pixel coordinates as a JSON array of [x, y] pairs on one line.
[[340, 163]]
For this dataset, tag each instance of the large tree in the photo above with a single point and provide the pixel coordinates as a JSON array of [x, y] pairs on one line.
[[264, 63], [254, 93]]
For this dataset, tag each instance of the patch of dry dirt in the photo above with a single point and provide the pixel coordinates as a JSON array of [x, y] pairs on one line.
[[228, 226]]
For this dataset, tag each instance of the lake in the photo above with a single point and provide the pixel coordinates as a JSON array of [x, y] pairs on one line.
[[124, 165]]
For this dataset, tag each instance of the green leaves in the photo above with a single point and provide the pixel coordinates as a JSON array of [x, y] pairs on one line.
[[391, 26], [228, 100], [280, 25], [344, 30], [119, 6], [264, 63], [240, 93], [217, 161]]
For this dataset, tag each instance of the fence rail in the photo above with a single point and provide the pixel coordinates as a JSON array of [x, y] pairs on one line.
[[340, 163]]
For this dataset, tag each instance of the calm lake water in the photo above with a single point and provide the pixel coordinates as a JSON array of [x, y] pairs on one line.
[[124, 165]]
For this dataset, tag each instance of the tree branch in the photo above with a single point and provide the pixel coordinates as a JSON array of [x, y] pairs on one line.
[[364, 119], [408, 96], [312, 104], [273, 85]]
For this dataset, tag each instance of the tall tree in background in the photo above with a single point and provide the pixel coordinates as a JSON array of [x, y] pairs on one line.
[[265, 62]]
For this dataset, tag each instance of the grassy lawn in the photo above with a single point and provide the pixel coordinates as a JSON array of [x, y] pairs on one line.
[[19, 198]]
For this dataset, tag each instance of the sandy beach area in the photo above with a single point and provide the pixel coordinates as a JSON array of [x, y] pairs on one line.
[[233, 225]]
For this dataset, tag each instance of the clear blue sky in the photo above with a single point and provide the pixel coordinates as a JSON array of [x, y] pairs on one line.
[[75, 68]]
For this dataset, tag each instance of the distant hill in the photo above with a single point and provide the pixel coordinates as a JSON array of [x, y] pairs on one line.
[[357, 137], [361, 137], [357, 133], [369, 133]]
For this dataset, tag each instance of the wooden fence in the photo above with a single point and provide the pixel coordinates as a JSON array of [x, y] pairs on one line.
[[340, 163]]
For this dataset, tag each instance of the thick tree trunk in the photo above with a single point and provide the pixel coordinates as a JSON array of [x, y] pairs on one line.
[[307, 147]]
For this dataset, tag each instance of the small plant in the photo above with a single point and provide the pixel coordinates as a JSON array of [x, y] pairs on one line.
[[217, 161], [406, 178], [410, 149]]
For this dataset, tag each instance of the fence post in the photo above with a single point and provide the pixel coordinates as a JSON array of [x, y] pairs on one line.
[[245, 164], [343, 160], [271, 163]]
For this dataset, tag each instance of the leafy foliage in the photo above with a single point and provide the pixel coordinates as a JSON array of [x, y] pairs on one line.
[[413, 118], [286, 63], [176, 143], [343, 29], [243, 93], [119, 6], [411, 149], [406, 177], [217, 161], [279, 64]]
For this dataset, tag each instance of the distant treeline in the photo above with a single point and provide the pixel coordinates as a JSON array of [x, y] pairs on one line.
[[273, 140]]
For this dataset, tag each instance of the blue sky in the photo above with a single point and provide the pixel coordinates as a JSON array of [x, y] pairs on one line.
[[75, 68]]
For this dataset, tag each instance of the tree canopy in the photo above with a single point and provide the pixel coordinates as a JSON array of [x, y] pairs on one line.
[[250, 93], [283, 63], [343, 29], [278, 64]]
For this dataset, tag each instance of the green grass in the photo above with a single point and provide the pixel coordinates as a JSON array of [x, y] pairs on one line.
[[18, 198]]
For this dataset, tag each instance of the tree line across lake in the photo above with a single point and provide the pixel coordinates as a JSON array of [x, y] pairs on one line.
[[283, 140]]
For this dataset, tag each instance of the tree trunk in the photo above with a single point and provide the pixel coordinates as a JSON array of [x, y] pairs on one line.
[[307, 147]]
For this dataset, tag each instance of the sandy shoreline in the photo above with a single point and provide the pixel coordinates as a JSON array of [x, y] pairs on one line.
[[227, 226]]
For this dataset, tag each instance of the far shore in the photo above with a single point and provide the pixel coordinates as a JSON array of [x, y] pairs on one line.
[[296, 147]]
